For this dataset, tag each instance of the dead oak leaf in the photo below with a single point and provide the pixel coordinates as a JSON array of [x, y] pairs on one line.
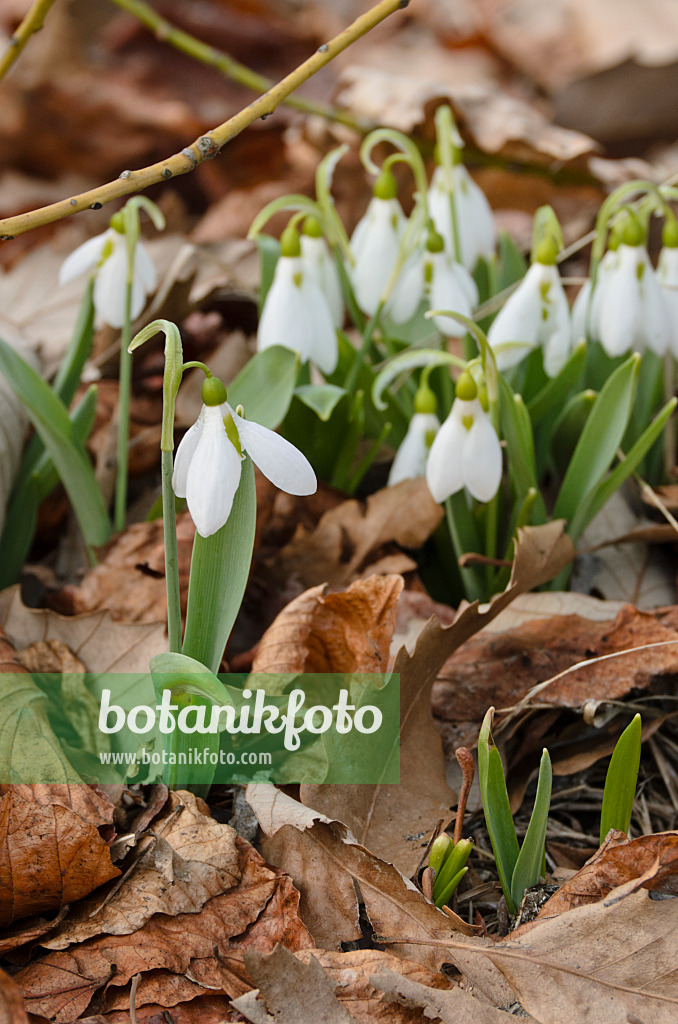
[[49, 856], [454, 1006], [291, 991], [344, 632]]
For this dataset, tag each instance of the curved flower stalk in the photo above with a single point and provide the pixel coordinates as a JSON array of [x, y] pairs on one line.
[[107, 255], [410, 460], [375, 244], [296, 313], [321, 268], [466, 452], [631, 312], [536, 314], [207, 463]]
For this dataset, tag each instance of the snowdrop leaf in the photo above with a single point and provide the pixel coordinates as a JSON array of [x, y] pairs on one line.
[[621, 780], [219, 570], [264, 387], [498, 817], [517, 430], [68, 377], [600, 438], [552, 394], [622, 471], [321, 398], [529, 864], [50, 420]]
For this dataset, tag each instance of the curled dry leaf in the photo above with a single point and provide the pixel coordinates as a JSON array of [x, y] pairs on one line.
[[347, 541], [290, 990], [62, 983], [451, 1007], [345, 632], [11, 1004], [49, 856], [650, 862], [183, 861], [326, 865]]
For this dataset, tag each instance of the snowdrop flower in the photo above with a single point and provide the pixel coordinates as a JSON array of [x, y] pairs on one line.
[[207, 463], [445, 283], [466, 451], [632, 312], [667, 274], [296, 314], [375, 244], [322, 269], [106, 255], [585, 317], [536, 314], [410, 460], [475, 223]]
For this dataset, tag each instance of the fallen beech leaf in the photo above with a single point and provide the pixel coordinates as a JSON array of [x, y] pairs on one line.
[[82, 800], [345, 632], [395, 821], [29, 929], [185, 860], [290, 990], [650, 862], [129, 583], [48, 856], [451, 1007], [101, 644], [326, 863], [61, 984], [345, 543], [204, 1009], [605, 964], [11, 1004]]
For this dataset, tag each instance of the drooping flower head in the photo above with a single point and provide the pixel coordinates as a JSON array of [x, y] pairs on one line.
[[466, 451], [296, 312], [208, 460], [410, 460], [107, 255], [630, 307], [375, 244], [537, 313], [445, 284], [476, 233], [320, 265]]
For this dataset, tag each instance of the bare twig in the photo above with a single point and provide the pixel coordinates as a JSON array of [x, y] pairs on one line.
[[133, 998], [207, 145], [465, 759], [31, 24], [228, 66]]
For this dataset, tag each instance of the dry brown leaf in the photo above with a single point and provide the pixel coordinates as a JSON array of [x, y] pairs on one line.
[[451, 1007], [11, 1004], [49, 856], [85, 801], [395, 821], [204, 1009], [650, 862], [62, 983], [101, 644], [347, 540], [185, 860], [345, 632], [129, 582], [291, 991], [604, 963], [326, 864]]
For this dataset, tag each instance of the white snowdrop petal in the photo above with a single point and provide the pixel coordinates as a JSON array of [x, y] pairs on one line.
[[283, 319], [667, 273], [477, 233], [322, 346], [655, 313], [515, 330], [410, 459], [110, 287], [84, 258], [144, 269], [556, 330], [481, 459], [580, 313], [408, 292], [447, 291], [322, 269], [619, 311], [376, 251], [280, 461], [184, 454], [213, 475], [444, 470]]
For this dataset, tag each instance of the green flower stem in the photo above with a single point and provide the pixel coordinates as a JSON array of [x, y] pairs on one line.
[[32, 23], [125, 388], [169, 520], [233, 69], [370, 327], [209, 143], [464, 539]]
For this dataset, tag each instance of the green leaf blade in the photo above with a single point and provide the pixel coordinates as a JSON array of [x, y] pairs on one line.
[[621, 780], [528, 867]]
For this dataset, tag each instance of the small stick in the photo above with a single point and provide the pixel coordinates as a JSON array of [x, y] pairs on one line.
[[32, 23], [465, 759]]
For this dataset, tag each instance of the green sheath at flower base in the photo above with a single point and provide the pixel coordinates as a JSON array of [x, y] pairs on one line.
[[450, 889], [213, 391], [385, 187]]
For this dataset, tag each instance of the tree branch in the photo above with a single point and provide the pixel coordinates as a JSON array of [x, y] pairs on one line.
[[31, 24], [207, 145]]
